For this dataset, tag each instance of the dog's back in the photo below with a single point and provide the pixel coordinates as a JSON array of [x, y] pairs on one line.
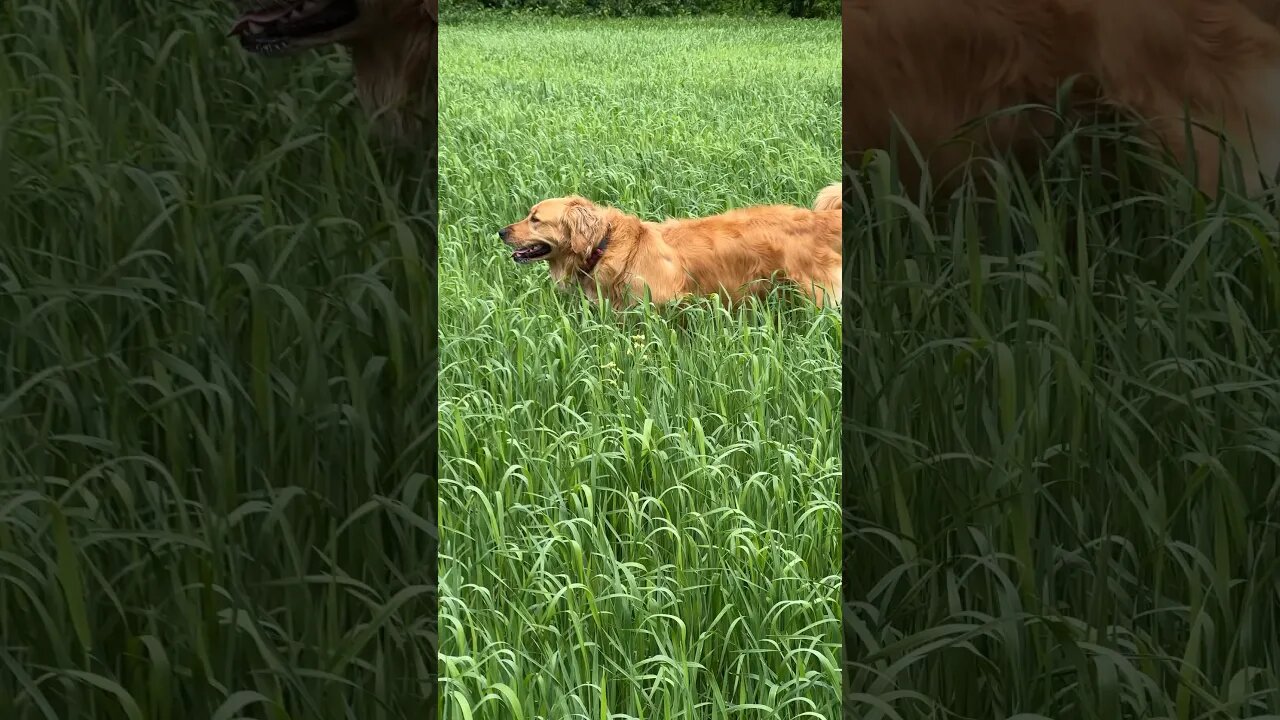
[[829, 198], [745, 247], [934, 65]]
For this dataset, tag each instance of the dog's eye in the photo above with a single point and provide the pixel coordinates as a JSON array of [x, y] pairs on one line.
[[533, 219]]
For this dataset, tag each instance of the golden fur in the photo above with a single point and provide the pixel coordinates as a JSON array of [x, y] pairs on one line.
[[937, 64], [734, 254], [392, 45], [1266, 10]]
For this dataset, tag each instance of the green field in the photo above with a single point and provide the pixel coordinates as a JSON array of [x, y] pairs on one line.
[[217, 338], [639, 509], [1063, 432]]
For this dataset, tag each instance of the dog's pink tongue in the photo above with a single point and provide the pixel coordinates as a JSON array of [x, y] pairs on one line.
[[262, 17]]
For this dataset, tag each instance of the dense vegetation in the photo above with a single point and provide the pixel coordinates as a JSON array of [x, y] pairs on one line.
[[639, 508], [217, 379], [1062, 407]]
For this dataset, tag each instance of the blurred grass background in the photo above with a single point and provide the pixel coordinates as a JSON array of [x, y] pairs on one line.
[[217, 379], [1062, 431]]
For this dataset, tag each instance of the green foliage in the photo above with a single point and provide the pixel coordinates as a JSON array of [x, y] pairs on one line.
[[651, 8], [640, 507], [1063, 431], [217, 397]]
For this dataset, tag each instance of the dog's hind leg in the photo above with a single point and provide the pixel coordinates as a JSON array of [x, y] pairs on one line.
[[1231, 91], [824, 291], [1259, 137], [1195, 149], [1204, 152]]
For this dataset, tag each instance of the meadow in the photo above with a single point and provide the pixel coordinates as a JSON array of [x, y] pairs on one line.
[[217, 366], [640, 512], [1062, 416]]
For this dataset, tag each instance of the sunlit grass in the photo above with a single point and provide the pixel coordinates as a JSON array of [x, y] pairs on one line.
[[639, 509]]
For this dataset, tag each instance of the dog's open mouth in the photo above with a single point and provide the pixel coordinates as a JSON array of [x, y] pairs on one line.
[[277, 29], [529, 253]]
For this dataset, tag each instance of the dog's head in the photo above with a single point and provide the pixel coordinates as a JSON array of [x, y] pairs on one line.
[[283, 27], [392, 46], [561, 227]]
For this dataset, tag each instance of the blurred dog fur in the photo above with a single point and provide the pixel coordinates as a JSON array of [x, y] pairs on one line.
[[392, 45], [605, 251], [935, 65]]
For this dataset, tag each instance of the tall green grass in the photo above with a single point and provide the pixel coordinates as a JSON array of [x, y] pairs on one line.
[[639, 508], [647, 8], [217, 398], [1062, 419]]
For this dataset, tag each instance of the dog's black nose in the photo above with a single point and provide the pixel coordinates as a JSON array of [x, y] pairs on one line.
[[502, 234]]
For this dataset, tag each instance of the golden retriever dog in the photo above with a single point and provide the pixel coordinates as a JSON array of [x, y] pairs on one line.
[[1267, 10], [607, 252], [392, 45], [1198, 70]]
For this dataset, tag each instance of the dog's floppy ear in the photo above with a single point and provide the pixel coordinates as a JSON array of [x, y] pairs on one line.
[[586, 227]]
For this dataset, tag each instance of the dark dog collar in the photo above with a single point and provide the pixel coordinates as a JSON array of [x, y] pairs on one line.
[[594, 258]]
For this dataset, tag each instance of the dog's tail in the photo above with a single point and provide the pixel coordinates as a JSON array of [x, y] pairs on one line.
[[829, 198]]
